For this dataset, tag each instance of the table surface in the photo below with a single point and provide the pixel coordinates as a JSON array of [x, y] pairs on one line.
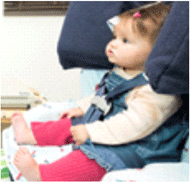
[[6, 113]]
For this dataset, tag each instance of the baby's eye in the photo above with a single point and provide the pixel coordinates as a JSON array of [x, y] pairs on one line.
[[125, 40]]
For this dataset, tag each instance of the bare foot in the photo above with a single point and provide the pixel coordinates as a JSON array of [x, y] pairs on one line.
[[27, 166], [23, 134]]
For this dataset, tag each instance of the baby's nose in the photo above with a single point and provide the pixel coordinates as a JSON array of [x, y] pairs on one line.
[[114, 43]]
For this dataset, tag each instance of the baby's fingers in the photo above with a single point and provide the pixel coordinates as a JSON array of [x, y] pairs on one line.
[[77, 142], [63, 115], [74, 138], [69, 115], [72, 129]]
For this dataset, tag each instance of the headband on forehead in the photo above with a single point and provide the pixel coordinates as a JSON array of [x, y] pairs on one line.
[[112, 22]]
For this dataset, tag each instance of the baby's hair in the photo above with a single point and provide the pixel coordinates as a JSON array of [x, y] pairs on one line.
[[154, 12]]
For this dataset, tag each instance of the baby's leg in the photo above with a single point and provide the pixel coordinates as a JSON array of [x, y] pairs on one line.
[[52, 132], [48, 133], [23, 134], [27, 166], [76, 166]]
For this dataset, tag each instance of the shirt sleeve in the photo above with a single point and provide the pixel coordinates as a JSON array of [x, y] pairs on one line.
[[147, 110], [85, 103]]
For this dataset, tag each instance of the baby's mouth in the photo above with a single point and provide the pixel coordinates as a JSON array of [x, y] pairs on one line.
[[110, 52]]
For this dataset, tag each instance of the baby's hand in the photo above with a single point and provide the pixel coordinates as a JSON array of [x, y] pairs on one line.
[[73, 112], [79, 133]]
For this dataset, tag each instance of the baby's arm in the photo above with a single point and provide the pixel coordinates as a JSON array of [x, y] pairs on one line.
[[84, 104], [147, 110], [71, 113]]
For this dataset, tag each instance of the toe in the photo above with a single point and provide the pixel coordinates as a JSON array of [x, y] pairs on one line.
[[22, 150], [18, 155], [16, 160], [25, 150], [16, 113], [15, 118]]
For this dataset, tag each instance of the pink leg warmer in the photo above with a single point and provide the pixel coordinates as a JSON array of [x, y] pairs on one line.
[[76, 166], [52, 132]]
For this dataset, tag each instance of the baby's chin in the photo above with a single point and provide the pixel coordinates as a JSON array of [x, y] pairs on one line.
[[111, 60]]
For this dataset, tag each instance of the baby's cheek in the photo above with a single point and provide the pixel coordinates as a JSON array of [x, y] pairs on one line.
[[106, 51]]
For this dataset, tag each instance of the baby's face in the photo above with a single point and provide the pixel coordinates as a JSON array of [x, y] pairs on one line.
[[128, 49]]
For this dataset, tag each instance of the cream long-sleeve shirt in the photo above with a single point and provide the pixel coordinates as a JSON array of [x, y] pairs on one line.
[[147, 110]]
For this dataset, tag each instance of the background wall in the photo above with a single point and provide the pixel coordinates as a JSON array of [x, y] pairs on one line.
[[29, 55]]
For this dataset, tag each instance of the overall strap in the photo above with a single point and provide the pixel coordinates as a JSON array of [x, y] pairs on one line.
[[126, 86]]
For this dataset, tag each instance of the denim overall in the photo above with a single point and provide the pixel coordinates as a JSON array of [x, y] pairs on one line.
[[161, 146]]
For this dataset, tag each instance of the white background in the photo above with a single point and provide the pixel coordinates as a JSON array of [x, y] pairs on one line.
[[29, 54]]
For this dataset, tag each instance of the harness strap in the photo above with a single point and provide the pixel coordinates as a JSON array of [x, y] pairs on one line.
[[101, 104]]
